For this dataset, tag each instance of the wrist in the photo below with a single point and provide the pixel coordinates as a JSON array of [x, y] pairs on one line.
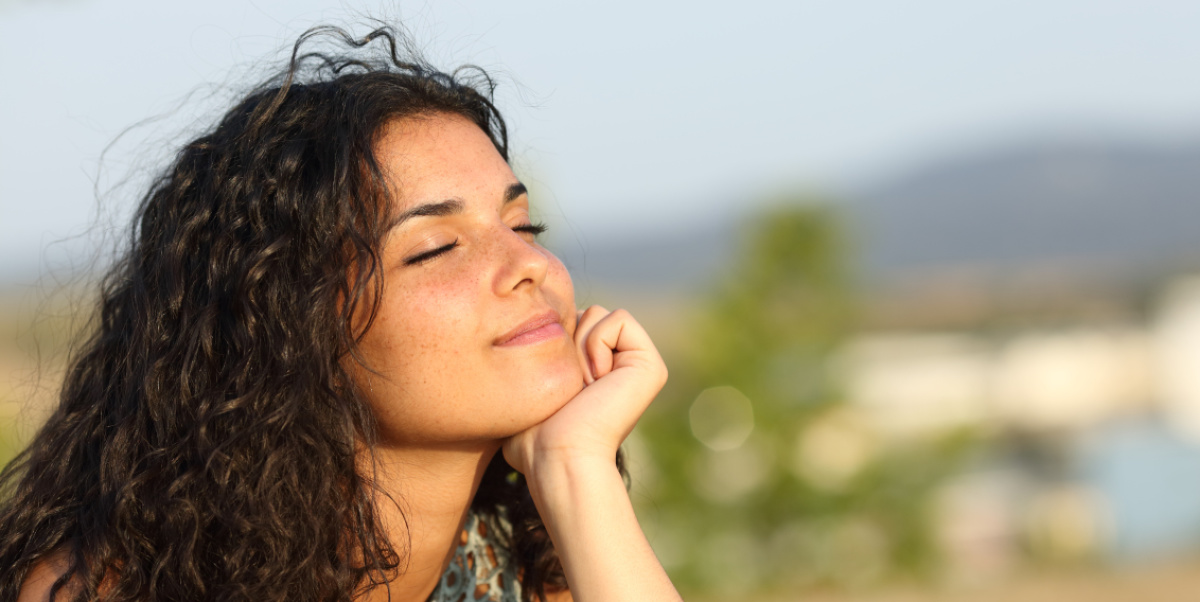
[[587, 512], [565, 477]]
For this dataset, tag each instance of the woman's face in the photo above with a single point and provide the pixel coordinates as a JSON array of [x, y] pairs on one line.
[[473, 338]]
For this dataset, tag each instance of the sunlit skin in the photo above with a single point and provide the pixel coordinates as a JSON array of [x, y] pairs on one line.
[[477, 346], [455, 283]]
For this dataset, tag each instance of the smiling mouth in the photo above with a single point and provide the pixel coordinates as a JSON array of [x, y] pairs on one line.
[[540, 328]]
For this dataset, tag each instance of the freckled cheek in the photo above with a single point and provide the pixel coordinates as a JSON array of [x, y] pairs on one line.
[[557, 271], [440, 314], [559, 284]]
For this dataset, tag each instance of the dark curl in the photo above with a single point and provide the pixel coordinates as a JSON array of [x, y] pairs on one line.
[[208, 441]]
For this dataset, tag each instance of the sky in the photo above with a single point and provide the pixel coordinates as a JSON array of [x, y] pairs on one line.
[[627, 118]]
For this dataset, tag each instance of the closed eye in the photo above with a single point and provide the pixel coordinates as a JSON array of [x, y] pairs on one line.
[[430, 254], [534, 229]]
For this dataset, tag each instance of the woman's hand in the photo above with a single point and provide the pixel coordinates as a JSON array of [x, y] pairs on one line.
[[623, 372], [568, 463]]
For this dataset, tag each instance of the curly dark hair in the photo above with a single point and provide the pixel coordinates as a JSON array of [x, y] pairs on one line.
[[207, 444]]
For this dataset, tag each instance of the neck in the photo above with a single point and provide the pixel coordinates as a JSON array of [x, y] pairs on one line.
[[430, 491]]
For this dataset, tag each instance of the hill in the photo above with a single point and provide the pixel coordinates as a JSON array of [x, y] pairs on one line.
[[1051, 220]]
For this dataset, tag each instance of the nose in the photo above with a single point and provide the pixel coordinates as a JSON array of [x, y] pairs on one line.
[[522, 264]]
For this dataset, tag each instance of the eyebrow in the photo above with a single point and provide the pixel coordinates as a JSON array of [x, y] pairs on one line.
[[452, 206], [514, 192]]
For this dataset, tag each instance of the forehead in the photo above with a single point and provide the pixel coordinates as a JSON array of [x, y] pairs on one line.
[[440, 156]]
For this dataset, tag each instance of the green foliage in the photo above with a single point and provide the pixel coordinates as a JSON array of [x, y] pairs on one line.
[[806, 494]]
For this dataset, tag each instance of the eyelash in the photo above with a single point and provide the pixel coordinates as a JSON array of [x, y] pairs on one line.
[[430, 254], [531, 228], [534, 229]]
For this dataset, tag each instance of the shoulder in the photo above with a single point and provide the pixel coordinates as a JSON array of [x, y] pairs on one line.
[[40, 580]]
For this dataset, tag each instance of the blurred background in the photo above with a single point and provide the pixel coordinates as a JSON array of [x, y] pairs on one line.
[[926, 274]]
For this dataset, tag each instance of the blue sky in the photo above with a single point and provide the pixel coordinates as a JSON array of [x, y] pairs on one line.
[[625, 116]]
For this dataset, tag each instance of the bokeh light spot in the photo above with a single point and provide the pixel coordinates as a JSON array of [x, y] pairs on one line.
[[721, 418]]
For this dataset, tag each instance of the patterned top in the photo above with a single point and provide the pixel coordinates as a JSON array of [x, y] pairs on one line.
[[481, 570]]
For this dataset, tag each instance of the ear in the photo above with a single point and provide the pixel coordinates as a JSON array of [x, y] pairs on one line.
[[42, 577]]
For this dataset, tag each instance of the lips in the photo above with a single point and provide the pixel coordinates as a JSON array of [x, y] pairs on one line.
[[540, 327]]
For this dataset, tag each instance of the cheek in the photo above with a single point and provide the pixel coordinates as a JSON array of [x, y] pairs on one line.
[[418, 325], [432, 319], [422, 341], [560, 286]]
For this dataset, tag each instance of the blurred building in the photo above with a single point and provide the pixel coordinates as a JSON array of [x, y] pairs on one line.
[[1093, 427]]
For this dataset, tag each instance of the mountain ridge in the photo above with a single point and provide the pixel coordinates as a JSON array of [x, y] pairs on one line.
[[1119, 210]]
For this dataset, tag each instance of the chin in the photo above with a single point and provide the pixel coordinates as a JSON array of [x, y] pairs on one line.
[[554, 391]]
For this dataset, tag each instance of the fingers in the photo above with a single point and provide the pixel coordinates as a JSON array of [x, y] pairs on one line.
[[623, 372], [605, 339], [588, 318]]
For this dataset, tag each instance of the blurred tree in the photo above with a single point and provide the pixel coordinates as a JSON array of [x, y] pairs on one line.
[[764, 478]]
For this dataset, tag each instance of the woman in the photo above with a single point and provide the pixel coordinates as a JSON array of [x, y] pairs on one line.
[[335, 364]]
